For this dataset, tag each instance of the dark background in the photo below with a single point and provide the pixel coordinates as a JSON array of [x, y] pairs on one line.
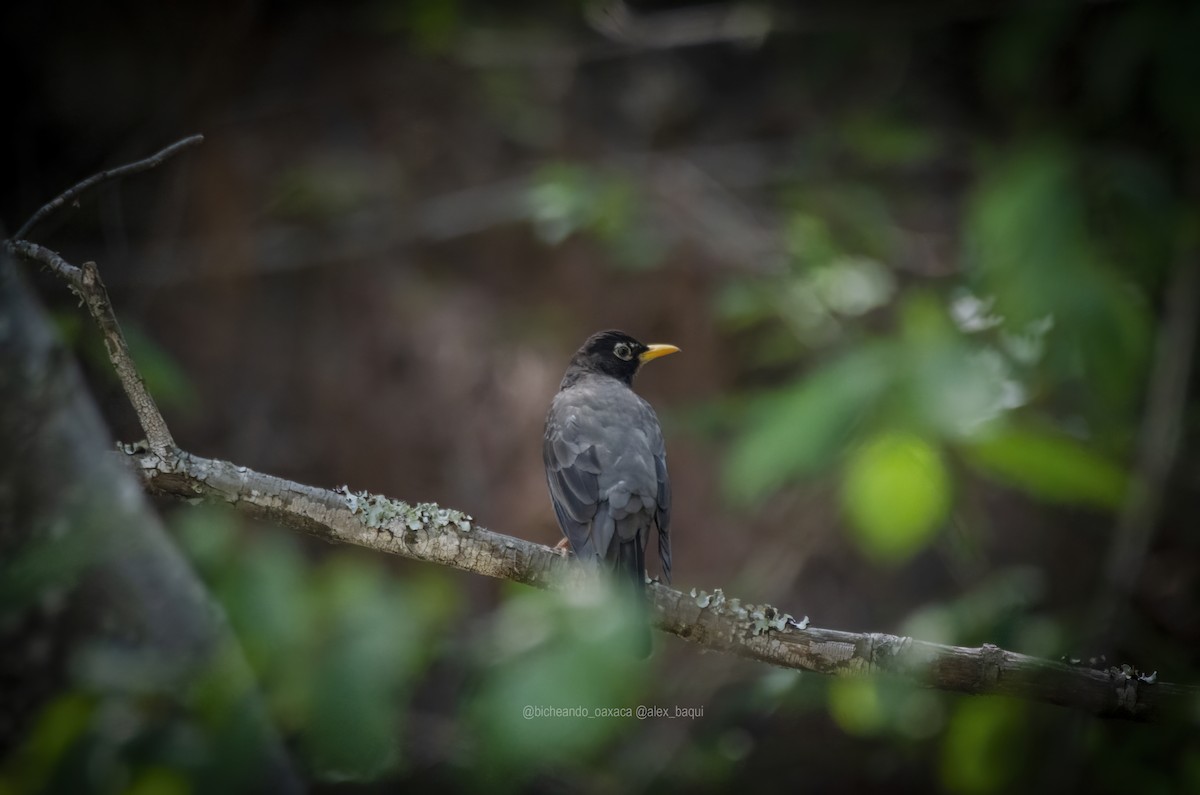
[[916, 258]]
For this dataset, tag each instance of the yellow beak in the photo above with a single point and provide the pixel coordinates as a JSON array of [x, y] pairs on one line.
[[655, 351]]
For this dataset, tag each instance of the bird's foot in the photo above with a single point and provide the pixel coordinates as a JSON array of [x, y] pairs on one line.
[[563, 547]]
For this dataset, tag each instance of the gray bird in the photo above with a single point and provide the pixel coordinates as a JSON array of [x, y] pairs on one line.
[[605, 459]]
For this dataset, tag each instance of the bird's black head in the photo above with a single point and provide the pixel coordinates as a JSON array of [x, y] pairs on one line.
[[613, 353]]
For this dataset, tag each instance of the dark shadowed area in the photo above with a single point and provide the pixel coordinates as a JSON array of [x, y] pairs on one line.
[[935, 272]]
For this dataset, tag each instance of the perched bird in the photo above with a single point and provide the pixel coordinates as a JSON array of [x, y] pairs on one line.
[[606, 464]]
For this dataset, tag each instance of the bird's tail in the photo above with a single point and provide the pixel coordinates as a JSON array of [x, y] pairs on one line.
[[631, 567]]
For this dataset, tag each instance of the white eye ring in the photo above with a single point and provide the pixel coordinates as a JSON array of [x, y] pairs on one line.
[[621, 350]]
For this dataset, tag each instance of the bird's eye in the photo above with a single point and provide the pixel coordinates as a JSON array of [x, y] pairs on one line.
[[622, 351]]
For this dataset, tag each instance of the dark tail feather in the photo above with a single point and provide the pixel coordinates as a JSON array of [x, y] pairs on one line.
[[631, 564]]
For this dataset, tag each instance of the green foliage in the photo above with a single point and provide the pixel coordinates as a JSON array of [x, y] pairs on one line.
[[547, 652], [959, 374], [983, 745], [1051, 466], [798, 430], [870, 707], [1031, 248], [567, 199], [889, 141], [166, 381], [58, 728], [128, 722], [896, 494], [337, 645], [949, 387]]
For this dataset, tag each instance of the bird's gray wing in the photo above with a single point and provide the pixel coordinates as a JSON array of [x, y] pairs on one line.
[[572, 470], [662, 516]]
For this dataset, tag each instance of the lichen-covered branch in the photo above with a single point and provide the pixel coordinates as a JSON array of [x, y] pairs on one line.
[[86, 283], [432, 534]]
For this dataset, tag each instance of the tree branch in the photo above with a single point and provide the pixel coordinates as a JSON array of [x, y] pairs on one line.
[[85, 282], [73, 193], [428, 533]]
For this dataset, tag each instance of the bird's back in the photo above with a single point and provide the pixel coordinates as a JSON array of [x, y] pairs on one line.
[[606, 467]]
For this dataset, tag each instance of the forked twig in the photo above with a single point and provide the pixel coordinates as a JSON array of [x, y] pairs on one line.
[[85, 282]]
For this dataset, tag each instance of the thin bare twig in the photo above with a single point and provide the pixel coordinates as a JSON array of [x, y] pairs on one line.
[[85, 282], [73, 193]]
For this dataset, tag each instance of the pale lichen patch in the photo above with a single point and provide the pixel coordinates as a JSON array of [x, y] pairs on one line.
[[379, 512], [759, 618]]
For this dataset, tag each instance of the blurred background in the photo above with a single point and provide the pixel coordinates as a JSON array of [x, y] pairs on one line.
[[932, 266]]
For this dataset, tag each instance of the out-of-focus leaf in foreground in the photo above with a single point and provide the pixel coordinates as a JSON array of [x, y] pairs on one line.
[[552, 662], [336, 645]]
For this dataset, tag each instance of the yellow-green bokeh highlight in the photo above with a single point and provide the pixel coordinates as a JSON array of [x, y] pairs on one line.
[[895, 495]]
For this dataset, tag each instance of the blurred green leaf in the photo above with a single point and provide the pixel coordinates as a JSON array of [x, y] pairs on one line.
[[58, 727], [800, 429], [69, 324], [271, 602], [207, 534], [809, 240], [373, 645], [853, 286], [159, 781], [839, 218], [854, 704], [888, 141], [981, 748], [565, 199], [951, 388], [370, 647], [873, 706], [165, 379], [1031, 247], [742, 303], [896, 494], [555, 651], [337, 645], [1050, 466]]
